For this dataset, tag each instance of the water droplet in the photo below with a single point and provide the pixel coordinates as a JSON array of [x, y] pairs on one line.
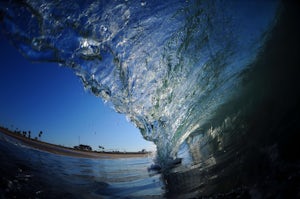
[[143, 3], [35, 42], [103, 28]]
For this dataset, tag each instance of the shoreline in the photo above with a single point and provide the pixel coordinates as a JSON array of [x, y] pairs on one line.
[[66, 151]]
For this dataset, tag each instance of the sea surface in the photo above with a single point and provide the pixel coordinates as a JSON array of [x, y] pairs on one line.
[[30, 173], [214, 84]]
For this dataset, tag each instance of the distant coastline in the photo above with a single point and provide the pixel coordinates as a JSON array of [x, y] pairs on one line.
[[67, 151]]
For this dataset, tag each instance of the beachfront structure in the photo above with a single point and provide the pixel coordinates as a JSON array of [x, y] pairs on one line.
[[83, 147]]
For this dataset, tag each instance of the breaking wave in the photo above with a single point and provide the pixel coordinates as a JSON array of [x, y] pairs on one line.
[[194, 76]]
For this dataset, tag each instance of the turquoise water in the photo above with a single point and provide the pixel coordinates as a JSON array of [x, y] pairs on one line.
[[214, 83]]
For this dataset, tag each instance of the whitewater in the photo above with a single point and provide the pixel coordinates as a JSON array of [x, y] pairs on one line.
[[212, 83]]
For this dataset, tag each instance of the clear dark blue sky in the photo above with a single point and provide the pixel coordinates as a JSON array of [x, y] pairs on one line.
[[47, 97]]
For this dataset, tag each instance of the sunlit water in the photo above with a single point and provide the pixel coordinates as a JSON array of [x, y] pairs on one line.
[[215, 83]]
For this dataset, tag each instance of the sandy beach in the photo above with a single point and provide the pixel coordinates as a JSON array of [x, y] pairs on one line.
[[60, 150]]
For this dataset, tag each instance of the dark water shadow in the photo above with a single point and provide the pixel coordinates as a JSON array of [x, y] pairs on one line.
[[259, 149]]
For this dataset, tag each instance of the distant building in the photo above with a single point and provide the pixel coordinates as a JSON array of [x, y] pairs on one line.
[[83, 147]]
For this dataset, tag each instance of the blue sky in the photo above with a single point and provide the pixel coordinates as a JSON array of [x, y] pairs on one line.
[[47, 97]]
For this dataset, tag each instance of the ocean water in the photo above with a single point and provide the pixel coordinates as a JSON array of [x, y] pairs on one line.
[[212, 83], [30, 173]]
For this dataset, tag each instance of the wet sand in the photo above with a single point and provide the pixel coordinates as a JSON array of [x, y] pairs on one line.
[[60, 150]]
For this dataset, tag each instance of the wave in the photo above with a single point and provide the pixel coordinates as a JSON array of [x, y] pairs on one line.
[[193, 76], [167, 66]]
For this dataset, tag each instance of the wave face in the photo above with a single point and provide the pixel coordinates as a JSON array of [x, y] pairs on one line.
[[167, 66], [195, 77]]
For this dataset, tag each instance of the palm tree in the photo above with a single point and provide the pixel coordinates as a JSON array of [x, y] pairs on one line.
[[40, 134], [29, 134], [101, 147]]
